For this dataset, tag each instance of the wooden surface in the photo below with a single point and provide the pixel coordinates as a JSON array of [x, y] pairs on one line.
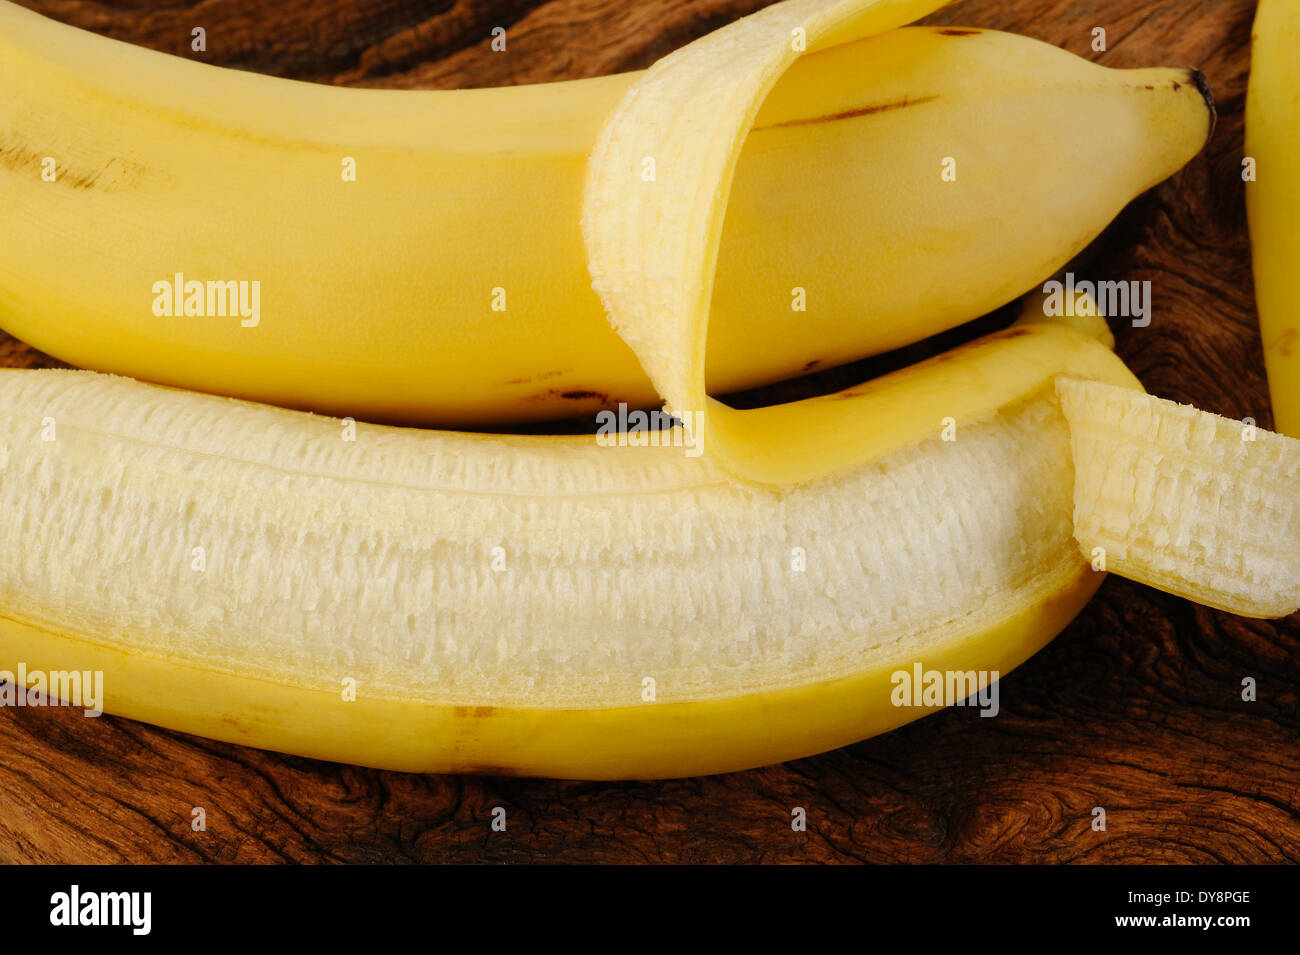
[[1136, 707]]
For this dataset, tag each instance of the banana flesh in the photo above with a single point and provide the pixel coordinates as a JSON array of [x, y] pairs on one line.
[[1192, 503]]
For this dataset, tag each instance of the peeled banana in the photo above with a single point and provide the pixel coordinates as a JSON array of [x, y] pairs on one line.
[[201, 229], [537, 605]]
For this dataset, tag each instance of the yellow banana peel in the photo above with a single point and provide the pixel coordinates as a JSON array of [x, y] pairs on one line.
[[1273, 198]]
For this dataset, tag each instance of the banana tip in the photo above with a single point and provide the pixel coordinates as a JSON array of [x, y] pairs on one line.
[[1197, 78]]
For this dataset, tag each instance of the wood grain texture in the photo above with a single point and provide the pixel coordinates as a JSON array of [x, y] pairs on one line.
[[1136, 707]]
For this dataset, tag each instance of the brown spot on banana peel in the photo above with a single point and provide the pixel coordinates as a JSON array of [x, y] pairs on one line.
[[571, 394], [528, 379], [580, 395], [849, 113], [957, 31], [473, 712], [1282, 345], [115, 174]]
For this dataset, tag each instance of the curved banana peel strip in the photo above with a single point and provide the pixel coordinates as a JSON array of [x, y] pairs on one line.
[[653, 207]]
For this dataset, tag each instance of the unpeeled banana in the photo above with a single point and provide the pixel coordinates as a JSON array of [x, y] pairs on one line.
[[447, 284], [1273, 198]]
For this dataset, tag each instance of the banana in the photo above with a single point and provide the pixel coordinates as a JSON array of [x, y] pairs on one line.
[[545, 606], [645, 616], [1273, 198], [741, 589], [448, 283]]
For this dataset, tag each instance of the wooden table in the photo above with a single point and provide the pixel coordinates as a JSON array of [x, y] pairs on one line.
[[1136, 707]]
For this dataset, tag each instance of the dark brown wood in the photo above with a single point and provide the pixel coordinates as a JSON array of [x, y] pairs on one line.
[[1136, 707]]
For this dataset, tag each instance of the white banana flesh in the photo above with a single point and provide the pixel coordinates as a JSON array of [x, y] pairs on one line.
[[376, 558], [1192, 503]]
